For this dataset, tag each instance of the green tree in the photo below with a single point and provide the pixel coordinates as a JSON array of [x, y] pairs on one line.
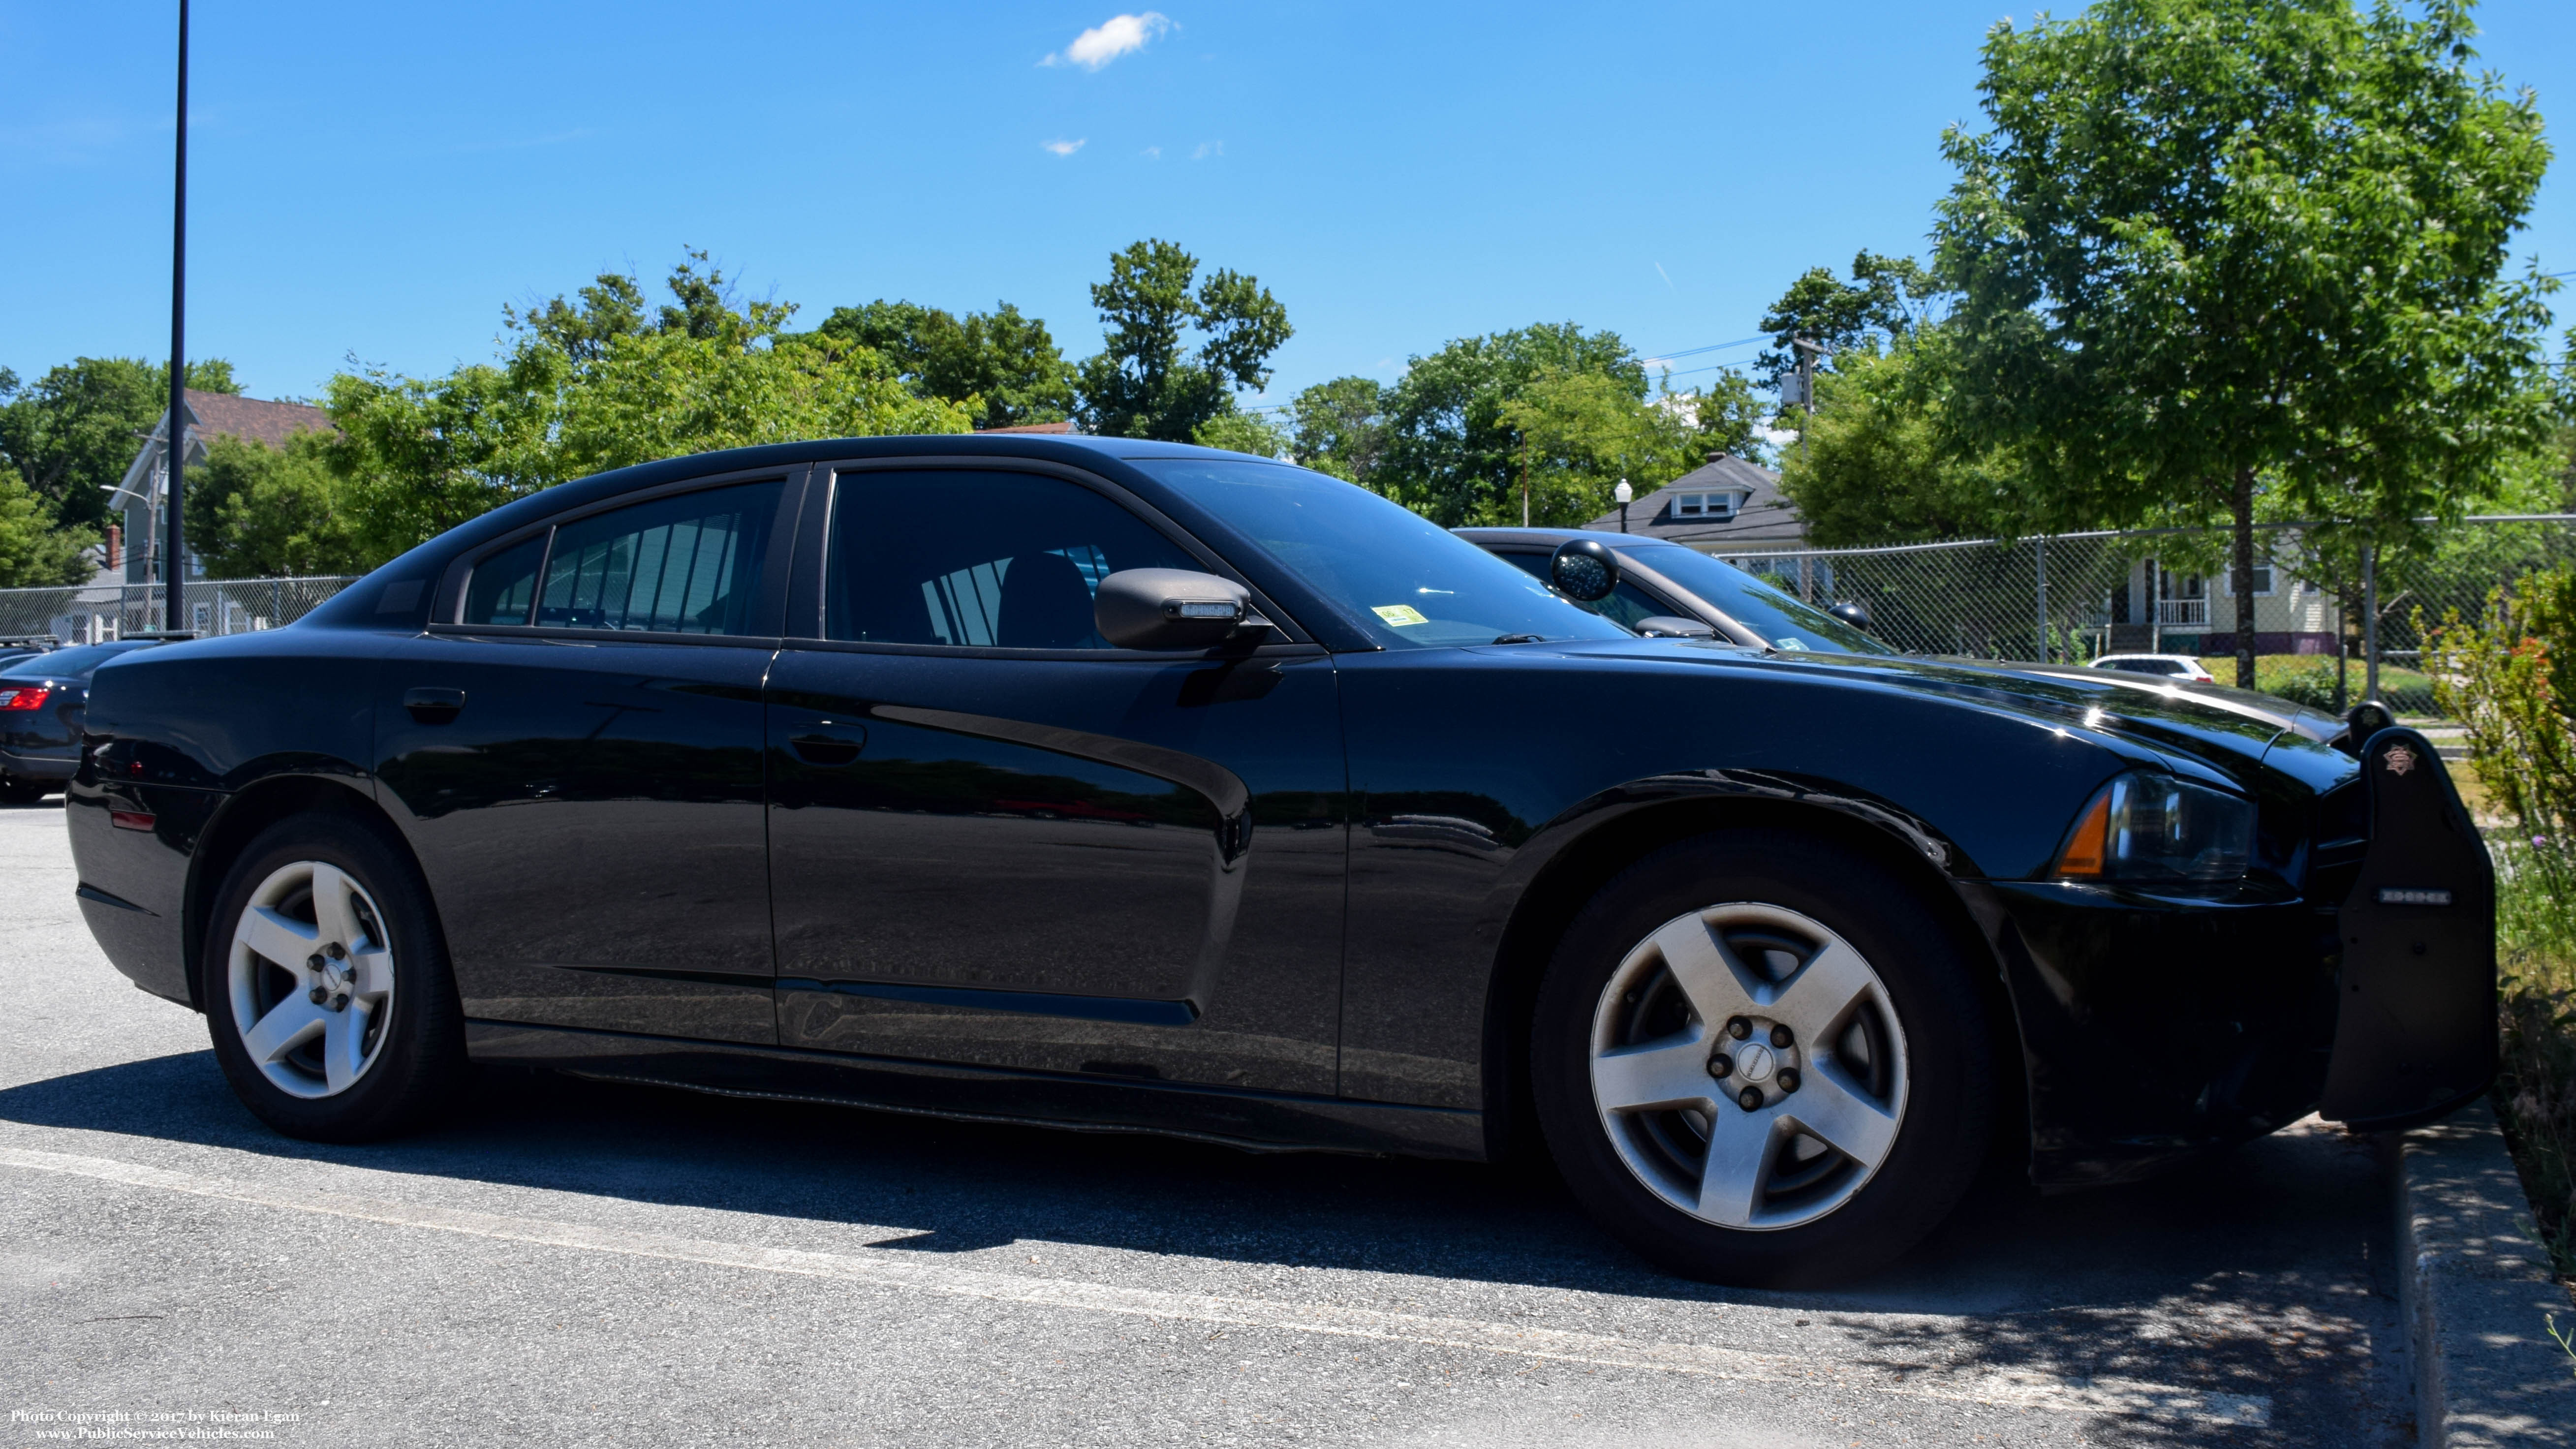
[[71, 433], [1145, 383], [1876, 466], [1005, 365], [2213, 249], [595, 383], [1886, 298], [1582, 433], [258, 512], [1244, 432], [1449, 452], [1730, 417], [1340, 427], [34, 550]]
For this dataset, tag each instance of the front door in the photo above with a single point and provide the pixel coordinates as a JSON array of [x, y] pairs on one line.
[[578, 754], [997, 840]]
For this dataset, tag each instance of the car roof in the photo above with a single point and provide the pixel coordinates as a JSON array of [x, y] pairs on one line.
[[1552, 537], [2191, 660]]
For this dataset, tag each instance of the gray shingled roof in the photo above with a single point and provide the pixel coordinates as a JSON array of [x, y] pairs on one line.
[[1763, 516]]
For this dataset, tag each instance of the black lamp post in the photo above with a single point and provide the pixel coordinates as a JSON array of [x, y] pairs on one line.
[[174, 447]]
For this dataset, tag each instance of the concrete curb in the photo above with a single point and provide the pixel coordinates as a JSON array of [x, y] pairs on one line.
[[2475, 1293]]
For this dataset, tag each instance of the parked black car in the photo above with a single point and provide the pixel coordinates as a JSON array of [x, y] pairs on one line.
[[1666, 589], [43, 695], [1145, 787]]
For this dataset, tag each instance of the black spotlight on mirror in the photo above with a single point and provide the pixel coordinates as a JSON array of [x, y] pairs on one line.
[[1852, 612], [1584, 570]]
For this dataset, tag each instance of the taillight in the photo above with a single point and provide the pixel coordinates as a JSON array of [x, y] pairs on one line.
[[25, 696]]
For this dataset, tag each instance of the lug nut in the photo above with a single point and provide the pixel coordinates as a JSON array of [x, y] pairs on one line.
[[340, 1002], [336, 951], [1750, 1099], [317, 995], [1721, 1065], [1788, 1079], [1780, 1036], [1738, 1028], [313, 962]]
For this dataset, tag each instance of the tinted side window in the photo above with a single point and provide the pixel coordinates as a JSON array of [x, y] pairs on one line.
[[505, 584], [1627, 605], [990, 560], [687, 564]]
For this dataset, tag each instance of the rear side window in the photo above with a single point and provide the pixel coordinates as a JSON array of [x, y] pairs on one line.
[[505, 584], [687, 564], [978, 560]]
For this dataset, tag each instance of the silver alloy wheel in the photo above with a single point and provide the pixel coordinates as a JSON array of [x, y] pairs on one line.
[[1748, 1066], [311, 979]]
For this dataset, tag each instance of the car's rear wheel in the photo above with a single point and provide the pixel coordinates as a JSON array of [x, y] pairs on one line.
[[15, 791], [1762, 1059], [326, 986]]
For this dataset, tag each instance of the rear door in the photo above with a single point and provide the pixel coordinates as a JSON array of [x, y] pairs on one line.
[[997, 840], [577, 752]]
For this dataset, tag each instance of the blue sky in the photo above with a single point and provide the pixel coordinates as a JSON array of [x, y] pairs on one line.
[[378, 180]]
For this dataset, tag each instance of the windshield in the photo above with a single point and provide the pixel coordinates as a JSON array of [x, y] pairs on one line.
[[73, 663], [1411, 583], [1780, 619]]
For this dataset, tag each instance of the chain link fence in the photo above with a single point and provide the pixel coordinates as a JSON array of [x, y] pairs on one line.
[[88, 613], [2333, 621]]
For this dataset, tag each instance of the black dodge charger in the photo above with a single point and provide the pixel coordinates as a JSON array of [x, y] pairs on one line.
[[1141, 787]]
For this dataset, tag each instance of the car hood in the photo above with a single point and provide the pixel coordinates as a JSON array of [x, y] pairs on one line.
[[2225, 728]]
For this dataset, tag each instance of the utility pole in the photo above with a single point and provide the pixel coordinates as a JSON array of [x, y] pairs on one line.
[[174, 446], [1525, 508], [1807, 352]]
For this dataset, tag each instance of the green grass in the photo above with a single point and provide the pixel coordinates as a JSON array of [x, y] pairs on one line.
[[2536, 1086], [2309, 679]]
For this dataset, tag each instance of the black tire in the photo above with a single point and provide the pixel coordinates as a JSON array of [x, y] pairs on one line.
[[1944, 1116], [416, 1061], [14, 791]]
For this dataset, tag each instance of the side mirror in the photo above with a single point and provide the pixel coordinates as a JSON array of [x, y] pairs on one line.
[[1584, 570], [1667, 626], [1171, 609], [1852, 612]]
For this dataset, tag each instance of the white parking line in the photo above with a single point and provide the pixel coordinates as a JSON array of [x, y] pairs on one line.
[[2108, 1396]]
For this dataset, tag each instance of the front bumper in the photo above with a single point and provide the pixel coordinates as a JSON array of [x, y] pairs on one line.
[[2155, 1028]]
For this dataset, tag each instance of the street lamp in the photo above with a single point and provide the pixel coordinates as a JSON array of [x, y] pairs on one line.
[[1623, 493]]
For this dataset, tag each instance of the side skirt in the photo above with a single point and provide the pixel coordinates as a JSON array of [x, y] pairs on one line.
[[1249, 1121]]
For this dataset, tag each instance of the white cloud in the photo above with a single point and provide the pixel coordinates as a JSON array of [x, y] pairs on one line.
[[1207, 149], [1154, 151], [1062, 147], [1112, 38]]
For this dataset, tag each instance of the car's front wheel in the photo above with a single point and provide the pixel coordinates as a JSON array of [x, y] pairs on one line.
[[1762, 1059], [326, 986]]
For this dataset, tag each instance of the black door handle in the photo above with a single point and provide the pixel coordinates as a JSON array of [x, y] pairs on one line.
[[434, 706], [832, 749]]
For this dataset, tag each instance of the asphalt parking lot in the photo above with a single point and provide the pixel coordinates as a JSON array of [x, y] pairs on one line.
[[566, 1260]]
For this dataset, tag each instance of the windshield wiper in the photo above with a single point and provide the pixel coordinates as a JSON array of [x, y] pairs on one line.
[[1518, 638]]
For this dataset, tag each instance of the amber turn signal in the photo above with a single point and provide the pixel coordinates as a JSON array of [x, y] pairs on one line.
[[2087, 847]]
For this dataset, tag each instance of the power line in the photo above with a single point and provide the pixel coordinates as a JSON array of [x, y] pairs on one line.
[[1696, 351]]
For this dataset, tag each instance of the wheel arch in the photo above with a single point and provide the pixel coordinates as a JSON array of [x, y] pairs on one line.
[[242, 817], [1618, 838]]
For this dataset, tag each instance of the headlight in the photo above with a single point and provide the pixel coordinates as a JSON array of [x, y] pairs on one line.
[[2156, 828]]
